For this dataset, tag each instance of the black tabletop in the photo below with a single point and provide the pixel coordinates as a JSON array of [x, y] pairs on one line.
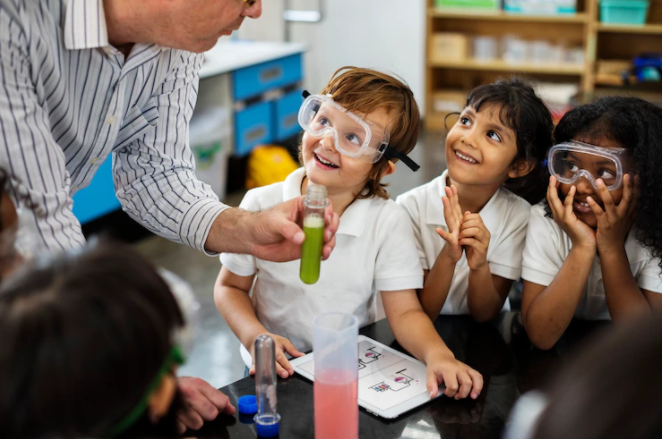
[[499, 350]]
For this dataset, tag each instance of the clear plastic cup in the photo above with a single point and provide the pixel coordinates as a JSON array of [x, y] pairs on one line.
[[336, 373]]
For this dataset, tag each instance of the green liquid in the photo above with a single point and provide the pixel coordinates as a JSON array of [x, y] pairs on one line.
[[309, 270]]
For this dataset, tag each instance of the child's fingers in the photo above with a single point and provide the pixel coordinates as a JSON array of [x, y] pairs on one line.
[[283, 368], [473, 232], [474, 244], [608, 202], [553, 199], [477, 383], [625, 204], [568, 203], [481, 234], [431, 382], [448, 237], [252, 369], [451, 384], [290, 348], [465, 385], [598, 212], [472, 221]]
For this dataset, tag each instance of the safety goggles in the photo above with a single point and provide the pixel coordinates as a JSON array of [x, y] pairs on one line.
[[353, 136], [570, 161], [174, 358]]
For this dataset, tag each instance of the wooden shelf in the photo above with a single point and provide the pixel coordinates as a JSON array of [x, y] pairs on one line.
[[503, 16], [601, 44], [608, 79], [653, 29], [501, 66]]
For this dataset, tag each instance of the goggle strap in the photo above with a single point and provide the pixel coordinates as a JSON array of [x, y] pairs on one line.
[[391, 153], [305, 94]]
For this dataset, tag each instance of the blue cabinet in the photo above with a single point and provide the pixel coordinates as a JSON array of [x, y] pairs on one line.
[[253, 126], [99, 197], [286, 111], [252, 81]]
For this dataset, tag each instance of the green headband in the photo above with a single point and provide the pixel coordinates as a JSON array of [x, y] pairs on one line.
[[174, 357]]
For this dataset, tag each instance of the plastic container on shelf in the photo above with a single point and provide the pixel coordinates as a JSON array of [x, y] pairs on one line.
[[210, 136], [624, 11], [449, 46], [474, 5], [541, 51], [575, 55], [515, 50], [540, 7], [485, 48]]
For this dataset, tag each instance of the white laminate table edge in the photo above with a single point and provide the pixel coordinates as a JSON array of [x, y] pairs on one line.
[[233, 55]]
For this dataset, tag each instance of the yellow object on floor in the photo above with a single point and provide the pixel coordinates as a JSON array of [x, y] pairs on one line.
[[269, 164]]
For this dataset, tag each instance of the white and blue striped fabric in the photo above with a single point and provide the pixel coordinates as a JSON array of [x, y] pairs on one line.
[[68, 99]]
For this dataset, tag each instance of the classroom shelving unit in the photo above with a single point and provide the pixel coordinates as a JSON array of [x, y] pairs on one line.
[[601, 43]]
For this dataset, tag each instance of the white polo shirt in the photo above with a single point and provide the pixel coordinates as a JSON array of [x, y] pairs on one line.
[[375, 251], [505, 216], [548, 246]]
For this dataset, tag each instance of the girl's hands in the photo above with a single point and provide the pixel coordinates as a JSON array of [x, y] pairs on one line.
[[281, 345], [459, 379], [474, 237], [580, 233], [454, 218], [615, 221]]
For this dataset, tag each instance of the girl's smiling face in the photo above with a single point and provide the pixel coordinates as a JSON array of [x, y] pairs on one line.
[[337, 172], [585, 189], [480, 149]]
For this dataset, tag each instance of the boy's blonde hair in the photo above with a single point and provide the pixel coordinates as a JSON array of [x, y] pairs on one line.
[[364, 90]]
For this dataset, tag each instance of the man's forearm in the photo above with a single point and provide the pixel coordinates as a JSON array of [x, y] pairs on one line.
[[231, 232]]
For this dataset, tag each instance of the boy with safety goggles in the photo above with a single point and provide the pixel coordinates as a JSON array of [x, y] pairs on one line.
[[354, 132], [593, 250]]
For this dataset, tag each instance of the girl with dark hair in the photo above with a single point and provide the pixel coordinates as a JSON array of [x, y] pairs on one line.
[[89, 347], [494, 153], [593, 249]]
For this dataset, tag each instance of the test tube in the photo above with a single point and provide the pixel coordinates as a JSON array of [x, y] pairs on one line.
[[267, 418], [336, 409], [314, 227]]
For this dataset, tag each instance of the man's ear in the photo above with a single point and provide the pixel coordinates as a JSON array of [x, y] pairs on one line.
[[521, 168]]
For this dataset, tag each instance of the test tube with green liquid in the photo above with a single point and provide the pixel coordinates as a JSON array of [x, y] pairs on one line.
[[314, 227]]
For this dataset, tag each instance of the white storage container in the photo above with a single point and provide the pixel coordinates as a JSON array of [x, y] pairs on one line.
[[210, 134]]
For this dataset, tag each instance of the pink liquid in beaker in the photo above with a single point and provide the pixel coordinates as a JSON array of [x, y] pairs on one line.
[[335, 404]]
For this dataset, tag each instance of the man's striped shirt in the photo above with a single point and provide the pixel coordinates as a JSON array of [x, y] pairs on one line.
[[68, 99]]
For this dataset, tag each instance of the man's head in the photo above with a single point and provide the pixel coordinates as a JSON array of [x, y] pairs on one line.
[[193, 25]]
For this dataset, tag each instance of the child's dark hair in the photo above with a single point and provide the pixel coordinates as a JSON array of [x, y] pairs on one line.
[[611, 388], [635, 124], [83, 337], [526, 114]]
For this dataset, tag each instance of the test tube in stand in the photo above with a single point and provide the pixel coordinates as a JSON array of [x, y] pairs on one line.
[[335, 376], [314, 228], [267, 418]]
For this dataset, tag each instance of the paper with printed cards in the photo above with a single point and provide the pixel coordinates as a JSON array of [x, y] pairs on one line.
[[385, 379]]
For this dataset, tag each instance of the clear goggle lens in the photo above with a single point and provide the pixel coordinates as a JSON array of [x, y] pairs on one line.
[[572, 161], [320, 116]]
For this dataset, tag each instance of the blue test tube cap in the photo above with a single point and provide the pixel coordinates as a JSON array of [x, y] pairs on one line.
[[247, 404], [267, 430]]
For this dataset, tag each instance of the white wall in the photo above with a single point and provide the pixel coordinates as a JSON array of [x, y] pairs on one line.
[[387, 35]]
